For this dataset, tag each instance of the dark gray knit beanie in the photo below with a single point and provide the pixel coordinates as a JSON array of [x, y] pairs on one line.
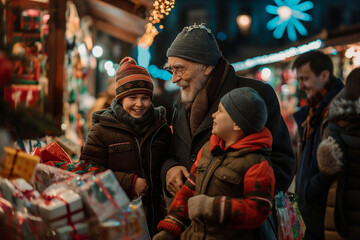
[[195, 43], [246, 108]]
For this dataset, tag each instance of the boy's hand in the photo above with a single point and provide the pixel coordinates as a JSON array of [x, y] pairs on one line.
[[141, 186], [164, 235], [200, 206], [174, 178]]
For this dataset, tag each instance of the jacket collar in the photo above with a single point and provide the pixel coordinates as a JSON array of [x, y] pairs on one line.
[[252, 142], [344, 109], [300, 115]]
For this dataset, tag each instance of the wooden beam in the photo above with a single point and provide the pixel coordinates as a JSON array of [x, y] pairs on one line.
[[117, 17], [55, 66], [133, 8], [116, 32], [147, 3], [30, 4]]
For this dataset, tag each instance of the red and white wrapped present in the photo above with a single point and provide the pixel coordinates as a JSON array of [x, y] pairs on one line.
[[58, 206], [78, 231], [130, 223], [13, 195], [27, 95], [25, 188], [103, 195], [47, 175], [18, 225]]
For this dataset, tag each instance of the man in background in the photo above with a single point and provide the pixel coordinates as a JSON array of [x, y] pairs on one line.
[[314, 71]]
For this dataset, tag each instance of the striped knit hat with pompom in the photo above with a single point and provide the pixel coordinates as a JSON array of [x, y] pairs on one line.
[[132, 79]]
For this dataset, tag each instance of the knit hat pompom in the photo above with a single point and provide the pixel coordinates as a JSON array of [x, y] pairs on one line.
[[246, 108], [127, 60], [195, 43], [132, 79]]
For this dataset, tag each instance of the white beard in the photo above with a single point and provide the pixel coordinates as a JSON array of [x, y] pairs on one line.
[[187, 97], [190, 95]]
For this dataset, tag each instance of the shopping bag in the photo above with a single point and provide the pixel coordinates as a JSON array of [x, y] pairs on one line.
[[129, 223], [137, 203], [291, 225], [267, 231]]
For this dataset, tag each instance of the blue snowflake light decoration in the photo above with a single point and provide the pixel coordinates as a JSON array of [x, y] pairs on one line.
[[288, 12]]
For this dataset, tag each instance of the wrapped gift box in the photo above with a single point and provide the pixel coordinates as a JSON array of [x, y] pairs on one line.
[[58, 206], [22, 94], [25, 188], [46, 175], [130, 223], [69, 146], [80, 167], [18, 164], [18, 225], [103, 195], [14, 196], [30, 23], [27, 38], [76, 231], [35, 152], [53, 152]]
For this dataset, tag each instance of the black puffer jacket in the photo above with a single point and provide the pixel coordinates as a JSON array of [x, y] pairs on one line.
[[112, 144], [340, 155]]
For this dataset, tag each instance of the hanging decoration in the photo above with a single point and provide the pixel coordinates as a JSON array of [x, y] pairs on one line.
[[161, 9], [289, 13], [277, 57]]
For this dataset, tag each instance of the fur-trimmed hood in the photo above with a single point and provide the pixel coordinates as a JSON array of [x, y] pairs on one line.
[[342, 109], [329, 153]]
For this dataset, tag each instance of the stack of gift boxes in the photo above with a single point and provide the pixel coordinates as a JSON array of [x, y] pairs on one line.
[[40, 201]]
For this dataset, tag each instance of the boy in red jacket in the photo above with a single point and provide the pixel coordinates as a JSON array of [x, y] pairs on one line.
[[231, 185]]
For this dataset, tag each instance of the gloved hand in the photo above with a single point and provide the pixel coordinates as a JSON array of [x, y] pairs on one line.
[[329, 157], [200, 206], [164, 235]]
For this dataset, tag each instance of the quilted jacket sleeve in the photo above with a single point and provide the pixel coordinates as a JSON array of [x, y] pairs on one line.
[[95, 152]]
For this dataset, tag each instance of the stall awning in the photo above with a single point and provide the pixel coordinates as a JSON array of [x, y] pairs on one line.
[[122, 19]]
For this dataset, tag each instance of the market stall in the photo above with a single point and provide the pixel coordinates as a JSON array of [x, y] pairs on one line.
[[47, 69]]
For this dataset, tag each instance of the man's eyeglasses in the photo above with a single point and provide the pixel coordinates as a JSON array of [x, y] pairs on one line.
[[175, 72]]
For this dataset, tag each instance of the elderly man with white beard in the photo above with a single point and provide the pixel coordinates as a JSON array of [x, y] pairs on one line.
[[204, 76]]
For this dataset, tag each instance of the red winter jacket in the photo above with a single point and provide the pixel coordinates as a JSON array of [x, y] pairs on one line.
[[242, 182]]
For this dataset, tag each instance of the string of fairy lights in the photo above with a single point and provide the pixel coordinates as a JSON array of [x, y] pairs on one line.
[[161, 9]]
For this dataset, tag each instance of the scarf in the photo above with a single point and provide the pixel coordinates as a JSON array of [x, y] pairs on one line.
[[315, 115], [139, 125], [207, 95]]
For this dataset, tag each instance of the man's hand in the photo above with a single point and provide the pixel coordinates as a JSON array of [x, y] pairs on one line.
[[174, 178], [140, 186]]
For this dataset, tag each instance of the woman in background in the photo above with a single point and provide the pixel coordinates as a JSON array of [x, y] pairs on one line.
[[339, 158]]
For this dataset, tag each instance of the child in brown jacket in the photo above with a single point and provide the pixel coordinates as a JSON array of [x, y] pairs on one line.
[[131, 138]]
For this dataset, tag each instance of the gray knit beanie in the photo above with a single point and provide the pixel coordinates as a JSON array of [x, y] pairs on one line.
[[246, 108], [195, 43]]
